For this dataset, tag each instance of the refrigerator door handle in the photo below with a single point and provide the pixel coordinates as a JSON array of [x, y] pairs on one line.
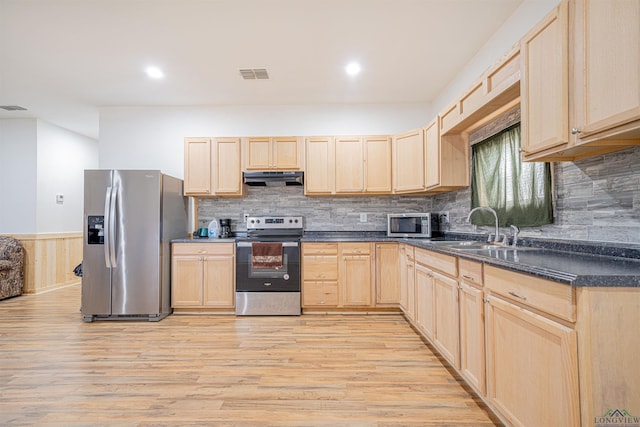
[[112, 227], [107, 241]]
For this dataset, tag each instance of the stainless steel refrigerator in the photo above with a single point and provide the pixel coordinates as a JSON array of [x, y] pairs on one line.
[[130, 218]]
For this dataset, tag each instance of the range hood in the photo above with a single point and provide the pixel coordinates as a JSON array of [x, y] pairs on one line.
[[262, 179]]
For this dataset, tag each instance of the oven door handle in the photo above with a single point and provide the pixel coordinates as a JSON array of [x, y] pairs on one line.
[[284, 244]]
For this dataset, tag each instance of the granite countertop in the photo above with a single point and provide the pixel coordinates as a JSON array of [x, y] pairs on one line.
[[203, 240], [571, 262]]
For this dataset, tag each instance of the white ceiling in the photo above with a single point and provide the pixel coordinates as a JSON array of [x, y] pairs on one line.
[[64, 59]]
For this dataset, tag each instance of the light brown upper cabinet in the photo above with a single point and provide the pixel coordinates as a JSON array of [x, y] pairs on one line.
[[363, 164], [497, 89], [319, 176], [408, 162], [212, 167], [446, 160], [349, 165], [580, 81], [273, 153], [197, 166]]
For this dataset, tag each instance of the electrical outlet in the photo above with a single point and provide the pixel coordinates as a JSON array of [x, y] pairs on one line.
[[363, 217]]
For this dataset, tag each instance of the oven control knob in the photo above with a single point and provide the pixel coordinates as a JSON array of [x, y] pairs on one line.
[[285, 277], [258, 221], [296, 221]]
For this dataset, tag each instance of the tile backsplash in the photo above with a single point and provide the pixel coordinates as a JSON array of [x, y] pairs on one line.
[[597, 199]]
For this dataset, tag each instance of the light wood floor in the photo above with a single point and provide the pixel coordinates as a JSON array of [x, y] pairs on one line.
[[209, 371]]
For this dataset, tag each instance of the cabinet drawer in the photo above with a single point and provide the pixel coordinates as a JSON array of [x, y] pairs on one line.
[[470, 271], [320, 248], [355, 248], [319, 293], [551, 297], [202, 248], [447, 264], [320, 267]]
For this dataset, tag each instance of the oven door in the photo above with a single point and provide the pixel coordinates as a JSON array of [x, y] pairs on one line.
[[268, 279]]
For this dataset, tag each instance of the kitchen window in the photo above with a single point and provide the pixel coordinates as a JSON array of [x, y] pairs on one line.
[[520, 192]]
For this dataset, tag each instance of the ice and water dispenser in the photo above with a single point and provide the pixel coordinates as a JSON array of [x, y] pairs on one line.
[[95, 230]]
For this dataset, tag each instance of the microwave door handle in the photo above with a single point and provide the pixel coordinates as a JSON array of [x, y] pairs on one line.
[[106, 228]]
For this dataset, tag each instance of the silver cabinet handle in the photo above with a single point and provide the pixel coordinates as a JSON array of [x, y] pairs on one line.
[[513, 294], [575, 131], [468, 277]]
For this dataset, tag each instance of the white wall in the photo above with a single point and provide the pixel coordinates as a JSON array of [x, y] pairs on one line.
[[152, 137], [18, 184], [38, 160], [521, 21], [62, 158]]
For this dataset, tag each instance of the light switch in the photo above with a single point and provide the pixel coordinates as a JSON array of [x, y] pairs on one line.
[[363, 217], [59, 198]]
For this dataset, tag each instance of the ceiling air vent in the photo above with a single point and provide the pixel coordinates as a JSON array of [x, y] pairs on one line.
[[12, 108], [254, 73]]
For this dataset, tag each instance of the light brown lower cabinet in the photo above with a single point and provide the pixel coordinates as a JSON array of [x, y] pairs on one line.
[[387, 275], [532, 367], [471, 308], [320, 275], [203, 275], [356, 274], [447, 320], [424, 302], [338, 275]]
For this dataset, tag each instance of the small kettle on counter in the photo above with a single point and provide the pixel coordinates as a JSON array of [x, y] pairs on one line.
[[202, 232]]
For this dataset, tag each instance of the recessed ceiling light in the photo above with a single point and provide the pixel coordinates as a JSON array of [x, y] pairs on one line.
[[353, 68], [154, 72]]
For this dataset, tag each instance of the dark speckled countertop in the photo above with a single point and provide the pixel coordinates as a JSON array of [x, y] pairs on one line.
[[572, 262], [576, 263]]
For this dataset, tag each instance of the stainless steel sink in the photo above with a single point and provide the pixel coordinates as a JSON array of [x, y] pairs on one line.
[[474, 245]]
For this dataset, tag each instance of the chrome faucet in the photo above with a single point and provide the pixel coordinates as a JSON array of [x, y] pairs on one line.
[[515, 229], [495, 215]]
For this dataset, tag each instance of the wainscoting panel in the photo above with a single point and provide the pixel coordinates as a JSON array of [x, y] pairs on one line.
[[50, 259]]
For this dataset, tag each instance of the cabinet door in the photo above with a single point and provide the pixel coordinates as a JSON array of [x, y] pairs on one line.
[[472, 353], [285, 153], [227, 174], [404, 276], [408, 162], [319, 166], [186, 281], [218, 283], [355, 280], [387, 274], [607, 64], [544, 83], [432, 157], [197, 166], [532, 367], [258, 154], [447, 326], [424, 301], [377, 164], [349, 165]]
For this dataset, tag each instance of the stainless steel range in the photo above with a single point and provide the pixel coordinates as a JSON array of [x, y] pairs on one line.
[[268, 267]]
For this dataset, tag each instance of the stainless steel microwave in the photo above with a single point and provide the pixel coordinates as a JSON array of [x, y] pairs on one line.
[[421, 225]]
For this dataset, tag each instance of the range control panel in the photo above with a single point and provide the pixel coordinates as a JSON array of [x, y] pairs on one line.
[[264, 222]]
